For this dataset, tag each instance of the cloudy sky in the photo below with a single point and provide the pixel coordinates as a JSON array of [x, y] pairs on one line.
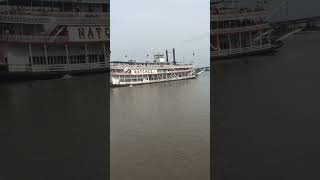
[[141, 27]]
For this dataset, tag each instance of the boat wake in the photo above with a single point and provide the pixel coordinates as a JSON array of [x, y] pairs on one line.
[[67, 76]]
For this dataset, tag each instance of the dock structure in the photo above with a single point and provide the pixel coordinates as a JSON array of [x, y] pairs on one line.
[[286, 28], [241, 31]]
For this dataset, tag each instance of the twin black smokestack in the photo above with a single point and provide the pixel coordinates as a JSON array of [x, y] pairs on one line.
[[174, 56], [167, 57]]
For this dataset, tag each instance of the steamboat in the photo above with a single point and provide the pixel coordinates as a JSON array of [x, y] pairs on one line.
[[237, 31], [160, 70], [43, 38]]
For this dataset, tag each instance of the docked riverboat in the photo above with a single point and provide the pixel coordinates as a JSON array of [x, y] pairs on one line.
[[160, 70], [40, 38], [237, 31]]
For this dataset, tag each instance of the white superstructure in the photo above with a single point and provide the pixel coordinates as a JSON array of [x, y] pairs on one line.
[[56, 36]]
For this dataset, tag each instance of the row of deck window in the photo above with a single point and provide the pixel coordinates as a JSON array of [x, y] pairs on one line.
[[236, 23], [150, 77], [74, 59]]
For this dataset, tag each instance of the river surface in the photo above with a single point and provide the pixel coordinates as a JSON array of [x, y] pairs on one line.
[[54, 129], [57, 129], [267, 115], [161, 131]]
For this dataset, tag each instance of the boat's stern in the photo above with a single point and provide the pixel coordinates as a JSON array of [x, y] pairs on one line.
[[114, 81]]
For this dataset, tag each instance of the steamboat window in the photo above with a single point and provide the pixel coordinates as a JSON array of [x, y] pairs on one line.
[[101, 58], [43, 60], [58, 60], [83, 59], [35, 60], [49, 60], [105, 8], [54, 59], [90, 59]]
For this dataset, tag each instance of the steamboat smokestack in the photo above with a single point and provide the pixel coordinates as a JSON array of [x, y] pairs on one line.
[[167, 57], [174, 56]]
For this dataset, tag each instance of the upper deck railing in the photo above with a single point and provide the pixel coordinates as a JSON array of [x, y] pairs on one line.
[[244, 50], [155, 66], [32, 38], [43, 11], [39, 39], [240, 29], [237, 14], [45, 15]]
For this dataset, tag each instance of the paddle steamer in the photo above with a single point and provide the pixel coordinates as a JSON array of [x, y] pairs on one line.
[[160, 70], [237, 30], [53, 37]]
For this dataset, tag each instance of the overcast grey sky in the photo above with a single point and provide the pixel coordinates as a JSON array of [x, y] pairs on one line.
[[141, 27]]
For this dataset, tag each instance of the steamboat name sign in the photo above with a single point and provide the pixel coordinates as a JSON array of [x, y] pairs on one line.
[[92, 33]]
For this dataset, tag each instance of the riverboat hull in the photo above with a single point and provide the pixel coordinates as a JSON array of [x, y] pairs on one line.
[[25, 76], [150, 82]]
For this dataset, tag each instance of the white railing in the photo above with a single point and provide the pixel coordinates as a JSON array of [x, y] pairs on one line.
[[82, 20], [103, 20], [122, 66], [46, 11], [21, 19], [240, 29], [234, 51], [223, 17], [222, 11], [64, 19], [31, 38], [165, 72], [56, 68]]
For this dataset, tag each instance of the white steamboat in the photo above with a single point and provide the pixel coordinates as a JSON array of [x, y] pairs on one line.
[[134, 73], [56, 37]]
